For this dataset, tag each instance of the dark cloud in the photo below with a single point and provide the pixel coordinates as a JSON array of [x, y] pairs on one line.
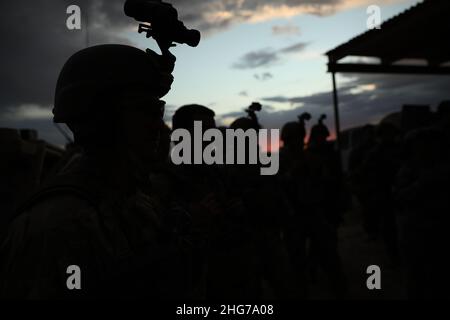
[[294, 48], [263, 76], [363, 99], [266, 57], [279, 99], [36, 43], [256, 59]]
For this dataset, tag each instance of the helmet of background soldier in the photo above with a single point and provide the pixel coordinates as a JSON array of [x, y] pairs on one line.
[[319, 132], [244, 124], [305, 116], [186, 115]]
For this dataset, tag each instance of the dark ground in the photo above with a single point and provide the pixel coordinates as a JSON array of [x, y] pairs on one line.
[[357, 254]]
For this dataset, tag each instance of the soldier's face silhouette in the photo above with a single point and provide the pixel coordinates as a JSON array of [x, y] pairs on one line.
[[141, 121]]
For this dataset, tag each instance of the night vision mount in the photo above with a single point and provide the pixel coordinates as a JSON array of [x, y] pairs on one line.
[[254, 107], [251, 112], [160, 22]]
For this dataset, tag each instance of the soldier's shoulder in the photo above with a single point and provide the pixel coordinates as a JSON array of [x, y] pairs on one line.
[[54, 213]]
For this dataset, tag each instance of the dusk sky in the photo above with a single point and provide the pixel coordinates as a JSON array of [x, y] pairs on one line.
[[266, 51]]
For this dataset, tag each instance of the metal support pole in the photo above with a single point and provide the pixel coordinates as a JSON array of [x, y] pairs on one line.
[[337, 121], [87, 25]]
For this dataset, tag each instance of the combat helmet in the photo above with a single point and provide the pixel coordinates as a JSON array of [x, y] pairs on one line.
[[99, 72]]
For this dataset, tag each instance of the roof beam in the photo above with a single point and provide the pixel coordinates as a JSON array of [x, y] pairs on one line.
[[388, 69]]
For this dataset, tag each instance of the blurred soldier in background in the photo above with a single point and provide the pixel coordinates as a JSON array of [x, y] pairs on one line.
[[303, 118], [325, 200], [216, 215], [319, 133], [266, 215], [292, 178]]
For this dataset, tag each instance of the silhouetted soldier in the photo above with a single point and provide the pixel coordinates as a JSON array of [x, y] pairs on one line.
[[251, 111], [319, 133], [292, 149], [215, 215], [293, 136], [293, 177], [303, 118], [324, 195], [102, 213], [266, 212]]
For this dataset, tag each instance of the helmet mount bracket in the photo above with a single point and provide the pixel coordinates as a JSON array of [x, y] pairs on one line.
[[163, 44], [159, 20]]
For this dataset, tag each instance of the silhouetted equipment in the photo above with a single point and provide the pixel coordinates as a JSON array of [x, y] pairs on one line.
[[165, 27], [251, 112], [255, 106], [249, 122], [418, 33]]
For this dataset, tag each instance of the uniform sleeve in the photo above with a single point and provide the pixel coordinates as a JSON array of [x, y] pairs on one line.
[[40, 246]]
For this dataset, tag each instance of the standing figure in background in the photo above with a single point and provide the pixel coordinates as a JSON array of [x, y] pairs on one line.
[[319, 133]]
